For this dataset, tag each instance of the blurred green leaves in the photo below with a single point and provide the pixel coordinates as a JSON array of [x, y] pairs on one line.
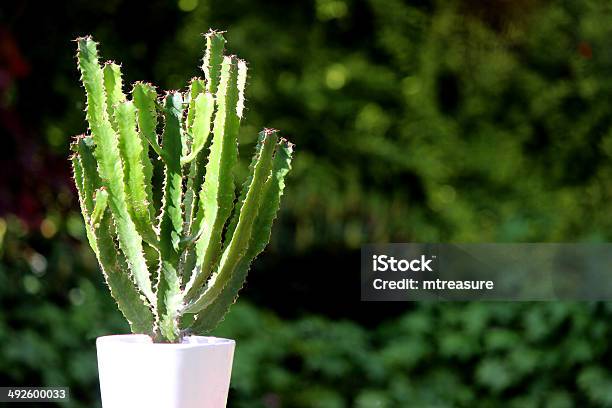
[[422, 359], [436, 354], [443, 122]]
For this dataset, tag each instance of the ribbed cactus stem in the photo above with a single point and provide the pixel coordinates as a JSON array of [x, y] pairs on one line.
[[110, 165], [204, 105], [213, 58], [94, 201], [238, 243], [169, 297], [196, 241], [136, 178], [113, 85], [194, 158], [209, 316], [145, 99], [217, 194]]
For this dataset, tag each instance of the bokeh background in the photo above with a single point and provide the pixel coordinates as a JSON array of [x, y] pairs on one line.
[[460, 121]]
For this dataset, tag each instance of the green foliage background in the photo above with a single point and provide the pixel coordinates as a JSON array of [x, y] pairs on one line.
[[452, 121]]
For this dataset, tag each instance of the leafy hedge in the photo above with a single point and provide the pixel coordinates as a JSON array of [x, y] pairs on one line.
[[442, 355], [454, 121], [459, 355]]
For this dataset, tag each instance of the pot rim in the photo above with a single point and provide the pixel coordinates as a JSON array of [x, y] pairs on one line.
[[144, 340]]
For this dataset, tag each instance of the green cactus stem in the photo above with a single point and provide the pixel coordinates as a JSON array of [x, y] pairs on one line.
[[198, 243]]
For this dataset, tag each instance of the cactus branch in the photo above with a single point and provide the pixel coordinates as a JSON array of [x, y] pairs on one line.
[[145, 99], [135, 309], [217, 194], [109, 163], [204, 105], [113, 84], [85, 191], [196, 87], [196, 165], [238, 244], [272, 192], [212, 62], [137, 187], [213, 59], [171, 225]]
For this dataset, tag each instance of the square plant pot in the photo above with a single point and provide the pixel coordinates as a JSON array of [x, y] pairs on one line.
[[135, 372]]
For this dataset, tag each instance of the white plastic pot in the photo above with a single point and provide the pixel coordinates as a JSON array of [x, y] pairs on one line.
[[135, 372]]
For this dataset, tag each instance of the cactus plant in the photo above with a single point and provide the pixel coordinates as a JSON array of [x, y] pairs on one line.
[[175, 265]]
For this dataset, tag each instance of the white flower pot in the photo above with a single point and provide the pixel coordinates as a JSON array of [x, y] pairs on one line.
[[135, 372]]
